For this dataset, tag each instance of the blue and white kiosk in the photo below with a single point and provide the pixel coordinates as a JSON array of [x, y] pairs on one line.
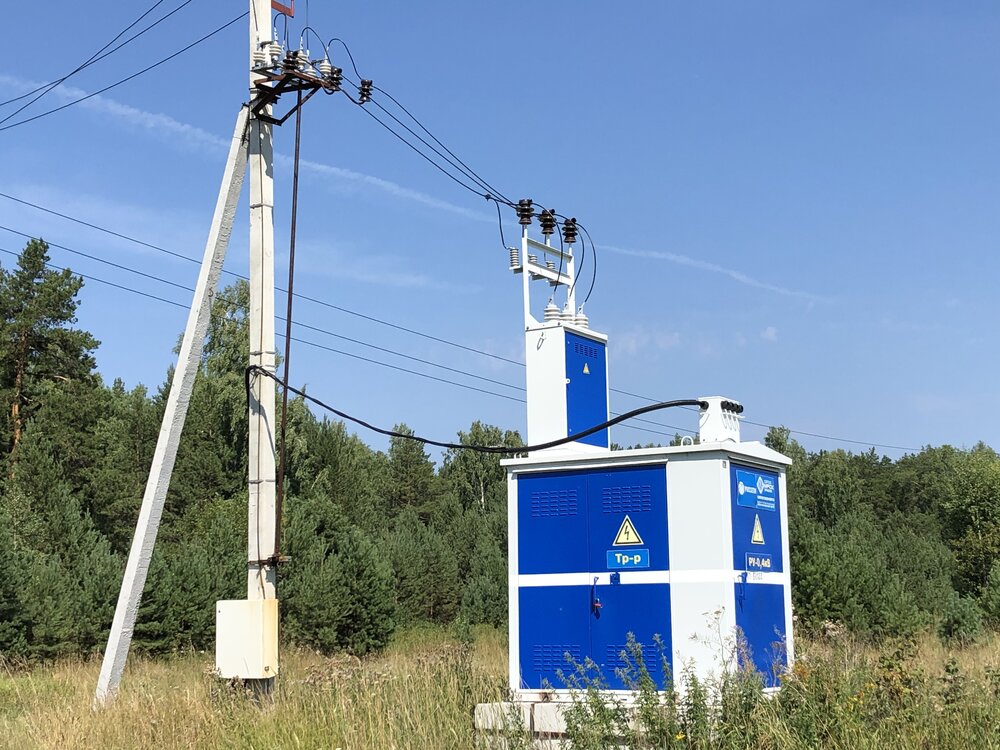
[[684, 547]]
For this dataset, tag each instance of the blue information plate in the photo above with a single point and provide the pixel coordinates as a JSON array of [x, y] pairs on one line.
[[756, 490], [630, 558], [759, 562]]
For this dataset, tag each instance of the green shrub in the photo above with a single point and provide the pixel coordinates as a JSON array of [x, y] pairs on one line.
[[962, 621]]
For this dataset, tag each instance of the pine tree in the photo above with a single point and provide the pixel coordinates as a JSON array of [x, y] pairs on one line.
[[425, 571], [37, 342], [13, 623], [337, 589], [411, 473]]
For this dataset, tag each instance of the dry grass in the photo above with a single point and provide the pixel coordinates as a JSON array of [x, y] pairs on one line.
[[420, 694]]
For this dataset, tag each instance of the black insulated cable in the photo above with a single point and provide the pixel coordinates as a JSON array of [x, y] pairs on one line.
[[495, 449]]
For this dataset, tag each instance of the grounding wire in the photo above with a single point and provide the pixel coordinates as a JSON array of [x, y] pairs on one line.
[[256, 370], [127, 78], [100, 55]]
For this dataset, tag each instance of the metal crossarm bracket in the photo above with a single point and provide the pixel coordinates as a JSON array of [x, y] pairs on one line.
[[271, 86]]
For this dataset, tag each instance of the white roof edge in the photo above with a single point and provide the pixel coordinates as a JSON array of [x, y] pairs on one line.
[[751, 450]]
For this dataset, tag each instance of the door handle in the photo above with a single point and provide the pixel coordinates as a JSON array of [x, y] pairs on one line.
[[595, 600]]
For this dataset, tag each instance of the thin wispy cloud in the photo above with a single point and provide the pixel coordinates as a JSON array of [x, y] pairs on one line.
[[386, 186], [191, 136], [702, 265]]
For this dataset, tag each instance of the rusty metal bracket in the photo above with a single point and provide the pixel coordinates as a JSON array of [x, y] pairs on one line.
[[271, 86]]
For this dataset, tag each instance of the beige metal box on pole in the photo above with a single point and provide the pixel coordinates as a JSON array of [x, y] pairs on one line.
[[246, 638]]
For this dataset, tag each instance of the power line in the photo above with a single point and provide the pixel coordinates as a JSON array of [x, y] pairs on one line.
[[314, 344], [323, 303], [127, 78], [89, 277], [131, 290], [454, 160], [837, 439], [380, 322], [45, 88], [323, 331], [98, 259]]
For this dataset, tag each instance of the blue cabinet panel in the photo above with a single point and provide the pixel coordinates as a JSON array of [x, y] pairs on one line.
[[586, 387], [760, 617], [757, 542], [552, 523], [640, 609], [568, 522], [554, 633], [640, 494]]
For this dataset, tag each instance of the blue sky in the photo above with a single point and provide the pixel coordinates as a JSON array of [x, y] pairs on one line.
[[795, 204]]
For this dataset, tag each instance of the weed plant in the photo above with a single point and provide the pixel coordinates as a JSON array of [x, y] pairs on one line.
[[420, 694], [838, 695]]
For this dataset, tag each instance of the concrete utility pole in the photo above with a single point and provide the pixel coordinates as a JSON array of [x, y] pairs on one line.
[[262, 544], [246, 637], [169, 438], [246, 630]]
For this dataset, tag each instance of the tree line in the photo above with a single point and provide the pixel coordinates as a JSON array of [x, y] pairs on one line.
[[383, 539]]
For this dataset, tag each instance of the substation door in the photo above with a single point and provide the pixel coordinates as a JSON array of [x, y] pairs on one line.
[[592, 566], [758, 552]]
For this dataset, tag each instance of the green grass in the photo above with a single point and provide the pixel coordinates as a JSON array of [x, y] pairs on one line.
[[420, 694]]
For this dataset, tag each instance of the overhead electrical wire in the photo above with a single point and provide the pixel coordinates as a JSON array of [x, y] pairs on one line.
[[497, 449], [306, 326], [45, 88], [454, 161], [316, 329], [127, 78], [430, 363], [468, 170], [89, 277], [464, 169], [298, 295], [379, 321]]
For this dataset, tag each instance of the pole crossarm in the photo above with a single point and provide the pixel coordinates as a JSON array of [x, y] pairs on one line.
[[271, 85]]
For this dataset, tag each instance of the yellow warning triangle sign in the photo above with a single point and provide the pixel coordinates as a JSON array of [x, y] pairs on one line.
[[758, 533], [586, 369], [627, 535]]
